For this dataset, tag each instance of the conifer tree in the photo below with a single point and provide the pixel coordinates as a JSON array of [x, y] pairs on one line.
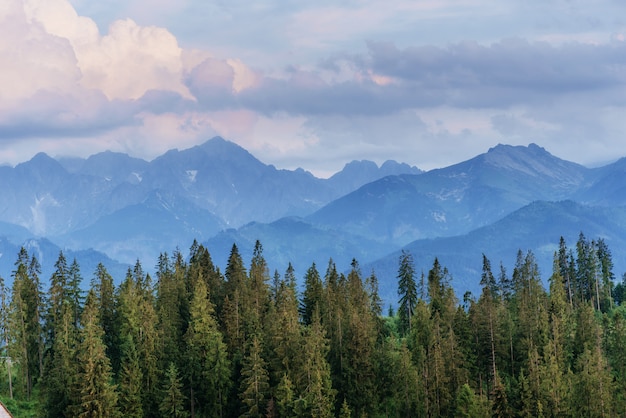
[[312, 296], [4, 334], [207, 361], [317, 392], [254, 388], [285, 402], [25, 342], [17, 346], [233, 312], [74, 292], [97, 396], [172, 401], [104, 291], [61, 376], [283, 331], [137, 317], [259, 278], [171, 304], [130, 381], [407, 290]]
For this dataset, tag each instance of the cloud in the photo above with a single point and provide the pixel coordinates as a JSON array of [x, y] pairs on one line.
[[66, 80], [292, 80]]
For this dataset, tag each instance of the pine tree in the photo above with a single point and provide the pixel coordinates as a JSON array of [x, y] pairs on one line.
[[317, 393], [254, 385], [345, 411], [74, 292], [285, 402], [61, 364], [104, 290], [172, 401], [467, 405], [171, 303], [233, 312], [607, 277], [258, 287], [283, 331], [4, 334], [207, 360], [97, 396], [25, 339], [407, 290], [130, 380], [312, 296], [136, 316]]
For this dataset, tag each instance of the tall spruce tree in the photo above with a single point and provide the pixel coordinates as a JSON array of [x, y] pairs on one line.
[[407, 290], [96, 394], [130, 380], [206, 361], [254, 389], [172, 403]]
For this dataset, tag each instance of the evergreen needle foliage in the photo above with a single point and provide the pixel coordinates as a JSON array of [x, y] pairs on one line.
[[198, 343]]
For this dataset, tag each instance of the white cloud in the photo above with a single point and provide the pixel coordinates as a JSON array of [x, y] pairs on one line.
[[311, 84], [33, 59]]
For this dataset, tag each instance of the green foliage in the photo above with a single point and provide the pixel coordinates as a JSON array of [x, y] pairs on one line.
[[205, 345], [172, 399], [254, 388], [407, 290]]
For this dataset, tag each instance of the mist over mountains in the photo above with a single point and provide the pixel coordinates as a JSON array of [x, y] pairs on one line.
[[117, 209]]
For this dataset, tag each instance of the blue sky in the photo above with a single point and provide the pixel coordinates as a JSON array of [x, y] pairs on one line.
[[314, 84]]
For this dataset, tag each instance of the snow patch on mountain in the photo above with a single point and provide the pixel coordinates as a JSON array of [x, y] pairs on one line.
[[191, 175]]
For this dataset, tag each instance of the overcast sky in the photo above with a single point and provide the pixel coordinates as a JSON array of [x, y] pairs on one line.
[[314, 84]]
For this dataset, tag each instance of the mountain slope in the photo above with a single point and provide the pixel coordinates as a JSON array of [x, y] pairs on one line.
[[456, 199], [292, 240], [160, 223], [537, 227]]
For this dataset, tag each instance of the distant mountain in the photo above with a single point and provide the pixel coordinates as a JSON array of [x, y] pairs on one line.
[[114, 167], [292, 240], [132, 208], [220, 194], [537, 227], [47, 254], [357, 173], [160, 223], [607, 186], [456, 199]]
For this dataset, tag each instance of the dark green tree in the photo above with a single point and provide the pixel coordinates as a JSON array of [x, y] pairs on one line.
[[172, 401], [207, 363], [254, 388], [312, 296], [407, 290], [96, 394], [130, 380]]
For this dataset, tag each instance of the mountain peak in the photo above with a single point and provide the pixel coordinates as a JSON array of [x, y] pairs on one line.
[[505, 148], [531, 160]]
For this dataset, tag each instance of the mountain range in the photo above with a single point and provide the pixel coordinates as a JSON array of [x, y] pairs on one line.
[[121, 209]]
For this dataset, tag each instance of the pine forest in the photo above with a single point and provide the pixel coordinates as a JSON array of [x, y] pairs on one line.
[[193, 341]]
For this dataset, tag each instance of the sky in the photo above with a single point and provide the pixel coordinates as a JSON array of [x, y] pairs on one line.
[[314, 84]]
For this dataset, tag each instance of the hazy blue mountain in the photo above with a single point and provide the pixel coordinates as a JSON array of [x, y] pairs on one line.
[[114, 167], [162, 222], [357, 173], [47, 253], [537, 227], [93, 202], [456, 199], [219, 193], [607, 186], [293, 240], [225, 179]]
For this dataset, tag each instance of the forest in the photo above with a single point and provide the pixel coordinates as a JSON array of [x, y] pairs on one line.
[[193, 341]]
